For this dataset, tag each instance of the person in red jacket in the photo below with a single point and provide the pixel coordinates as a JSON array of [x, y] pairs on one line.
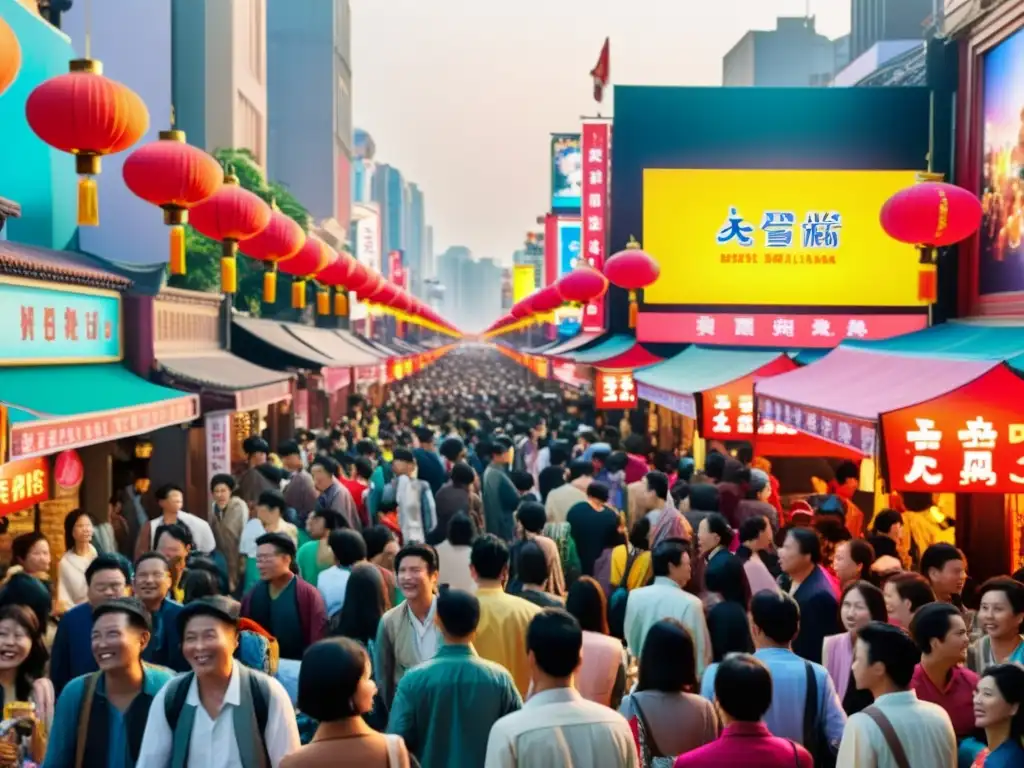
[[743, 694], [356, 479]]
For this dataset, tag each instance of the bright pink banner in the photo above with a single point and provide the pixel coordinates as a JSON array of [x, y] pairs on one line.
[[596, 151]]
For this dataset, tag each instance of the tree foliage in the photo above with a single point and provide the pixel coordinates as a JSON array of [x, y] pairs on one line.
[[204, 254]]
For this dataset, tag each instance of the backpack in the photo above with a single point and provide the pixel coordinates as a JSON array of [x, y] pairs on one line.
[[257, 648], [617, 601], [176, 692]]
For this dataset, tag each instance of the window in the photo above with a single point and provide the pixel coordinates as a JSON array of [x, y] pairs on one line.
[[257, 38], [250, 128]]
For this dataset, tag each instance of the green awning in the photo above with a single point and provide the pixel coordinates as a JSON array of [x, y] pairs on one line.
[[697, 369], [980, 339], [56, 407], [611, 347]]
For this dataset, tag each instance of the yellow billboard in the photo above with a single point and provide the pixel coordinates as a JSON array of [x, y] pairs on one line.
[[524, 281], [778, 238]]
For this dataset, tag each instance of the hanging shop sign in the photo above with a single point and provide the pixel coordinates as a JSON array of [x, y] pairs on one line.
[[854, 434], [596, 157], [801, 249], [218, 443], [729, 412], [970, 440], [43, 324], [615, 391], [23, 484]]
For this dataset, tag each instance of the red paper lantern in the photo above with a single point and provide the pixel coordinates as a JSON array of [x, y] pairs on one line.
[[520, 309], [370, 286], [582, 285], [281, 239], [231, 214], [632, 269], [932, 214], [87, 115], [338, 275], [313, 256], [547, 299], [174, 176], [10, 55]]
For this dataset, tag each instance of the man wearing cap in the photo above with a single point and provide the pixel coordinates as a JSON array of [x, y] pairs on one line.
[[300, 494], [290, 609], [253, 482], [101, 717], [222, 714]]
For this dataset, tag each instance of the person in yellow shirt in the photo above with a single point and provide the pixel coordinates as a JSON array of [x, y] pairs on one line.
[[635, 548], [504, 618]]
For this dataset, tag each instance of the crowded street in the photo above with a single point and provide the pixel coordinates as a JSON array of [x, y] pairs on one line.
[[386, 383]]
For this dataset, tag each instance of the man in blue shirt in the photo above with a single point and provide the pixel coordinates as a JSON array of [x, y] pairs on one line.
[[429, 466], [152, 586], [114, 701], [107, 577], [775, 621]]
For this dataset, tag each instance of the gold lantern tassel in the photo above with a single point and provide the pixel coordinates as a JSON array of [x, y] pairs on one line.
[[340, 302], [229, 267], [323, 302], [270, 284], [178, 266], [634, 309], [88, 202], [299, 294]]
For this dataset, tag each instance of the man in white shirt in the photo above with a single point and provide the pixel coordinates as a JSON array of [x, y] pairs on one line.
[[884, 658], [557, 726], [170, 499], [666, 599], [349, 548], [204, 718]]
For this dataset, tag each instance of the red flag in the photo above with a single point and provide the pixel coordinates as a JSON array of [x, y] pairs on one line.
[[602, 71]]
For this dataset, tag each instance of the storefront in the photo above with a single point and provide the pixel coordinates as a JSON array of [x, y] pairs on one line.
[[940, 412], [72, 414], [237, 398]]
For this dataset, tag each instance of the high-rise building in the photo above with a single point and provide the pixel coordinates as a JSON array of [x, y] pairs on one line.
[[429, 272], [873, 21], [791, 55], [219, 58], [480, 303], [388, 191], [532, 254], [416, 230], [309, 102], [363, 166], [452, 274]]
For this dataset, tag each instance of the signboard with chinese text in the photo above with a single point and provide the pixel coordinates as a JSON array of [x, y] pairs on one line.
[[367, 252], [45, 437], [970, 440], [53, 325], [568, 374], [678, 402], [566, 172], [615, 391], [396, 272], [218, 444], [596, 155], [729, 409], [851, 434], [23, 484]]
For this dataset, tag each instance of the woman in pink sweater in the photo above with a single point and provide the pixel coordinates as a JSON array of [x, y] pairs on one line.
[[602, 675]]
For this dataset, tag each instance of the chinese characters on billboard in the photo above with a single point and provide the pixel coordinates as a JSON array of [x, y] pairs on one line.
[[566, 172], [856, 435], [596, 146], [969, 440], [615, 390], [775, 240], [43, 325], [729, 412], [23, 484]]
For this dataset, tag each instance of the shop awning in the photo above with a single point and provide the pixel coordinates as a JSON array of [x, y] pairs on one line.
[[331, 345], [364, 344], [981, 339], [57, 407], [578, 341], [620, 352], [259, 335], [219, 374]]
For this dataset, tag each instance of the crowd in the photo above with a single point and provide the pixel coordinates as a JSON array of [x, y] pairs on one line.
[[475, 572]]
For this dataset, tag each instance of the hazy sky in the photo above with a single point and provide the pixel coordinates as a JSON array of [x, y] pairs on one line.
[[461, 95]]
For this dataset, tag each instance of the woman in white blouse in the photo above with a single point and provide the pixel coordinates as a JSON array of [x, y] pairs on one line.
[[71, 585]]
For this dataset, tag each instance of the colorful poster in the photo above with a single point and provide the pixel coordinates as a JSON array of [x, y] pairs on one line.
[[566, 172], [596, 149], [524, 281], [570, 235]]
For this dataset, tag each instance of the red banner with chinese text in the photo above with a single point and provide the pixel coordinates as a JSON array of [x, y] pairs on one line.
[[969, 440], [23, 484], [595, 141], [615, 391], [728, 409]]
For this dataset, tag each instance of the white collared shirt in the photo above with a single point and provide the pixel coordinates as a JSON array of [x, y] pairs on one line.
[[424, 633], [213, 743], [202, 533]]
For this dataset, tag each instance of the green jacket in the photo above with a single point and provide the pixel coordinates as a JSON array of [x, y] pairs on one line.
[[445, 707]]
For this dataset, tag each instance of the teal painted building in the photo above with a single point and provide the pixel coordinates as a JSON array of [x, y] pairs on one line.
[[35, 175]]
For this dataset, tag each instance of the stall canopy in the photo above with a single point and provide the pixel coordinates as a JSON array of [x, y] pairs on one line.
[[577, 342], [220, 376], [722, 380], [841, 397], [619, 352], [274, 344], [56, 407], [331, 345]]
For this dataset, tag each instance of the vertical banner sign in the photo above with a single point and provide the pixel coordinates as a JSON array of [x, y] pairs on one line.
[[395, 270], [218, 444], [615, 391], [524, 281], [596, 146]]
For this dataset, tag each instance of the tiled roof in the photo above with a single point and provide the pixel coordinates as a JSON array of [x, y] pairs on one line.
[[19, 260], [909, 68]]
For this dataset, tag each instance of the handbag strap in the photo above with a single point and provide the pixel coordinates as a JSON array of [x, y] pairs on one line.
[[647, 729], [811, 709], [891, 739]]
